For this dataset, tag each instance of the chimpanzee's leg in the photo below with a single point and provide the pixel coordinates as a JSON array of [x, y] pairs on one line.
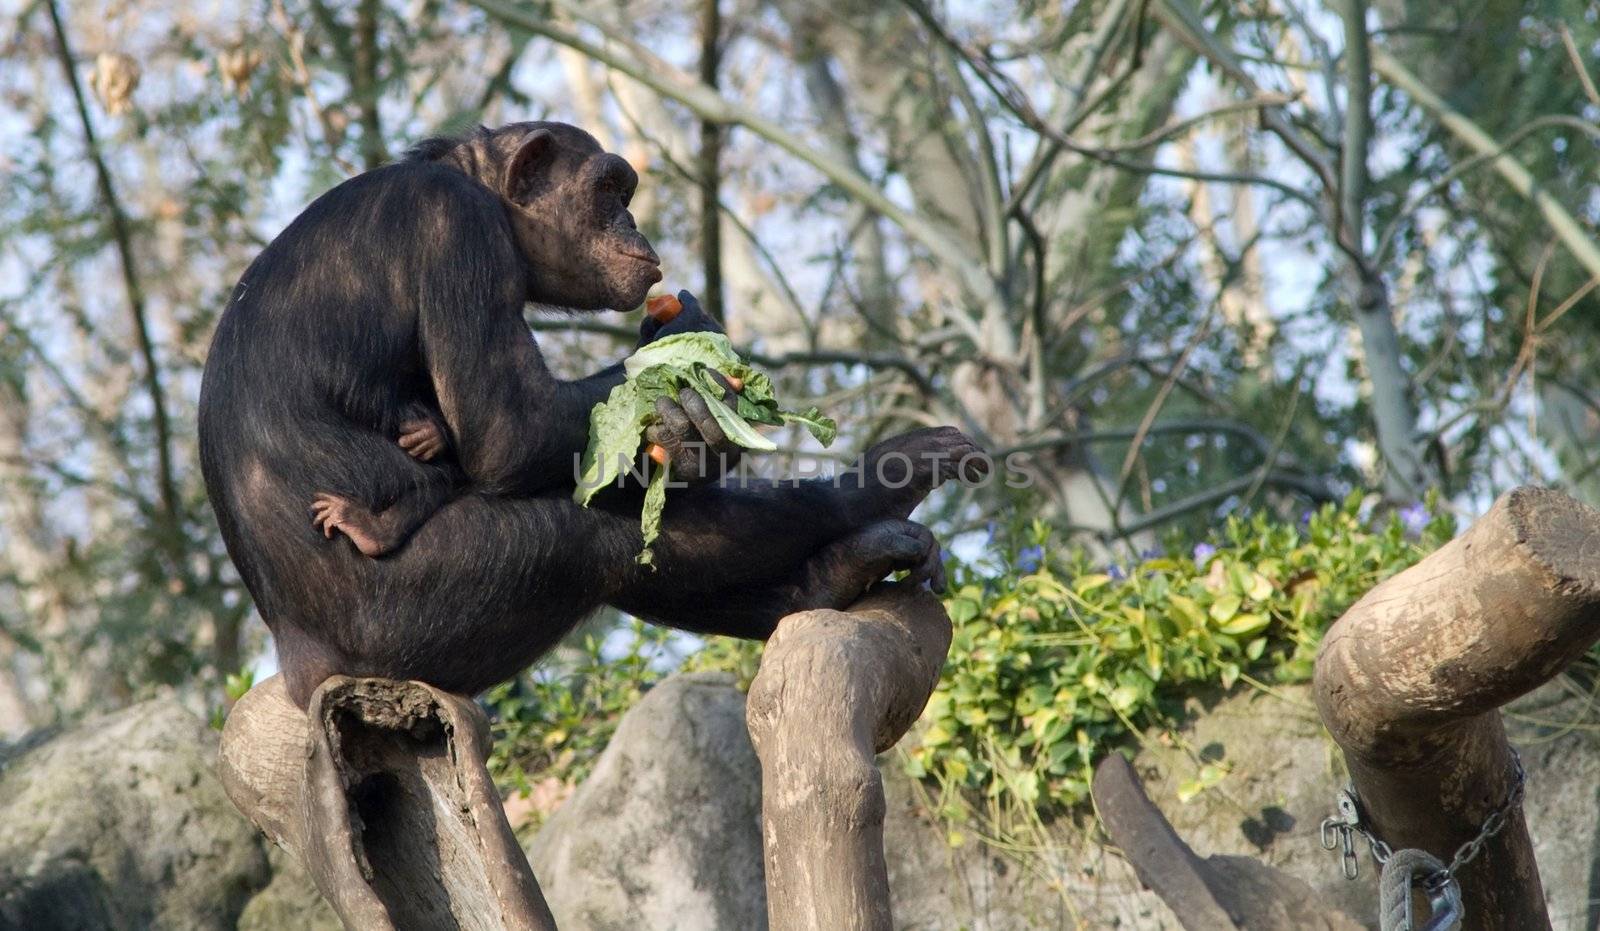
[[834, 577]]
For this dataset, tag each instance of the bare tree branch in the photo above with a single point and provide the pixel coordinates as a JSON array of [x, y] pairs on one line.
[[123, 237]]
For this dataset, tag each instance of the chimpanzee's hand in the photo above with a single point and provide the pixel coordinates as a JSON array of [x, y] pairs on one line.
[[691, 319], [696, 446], [900, 471]]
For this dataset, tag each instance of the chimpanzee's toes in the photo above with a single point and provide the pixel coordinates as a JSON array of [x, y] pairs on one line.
[[901, 545]]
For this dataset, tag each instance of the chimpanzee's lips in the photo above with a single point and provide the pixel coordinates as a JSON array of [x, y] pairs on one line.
[[649, 258]]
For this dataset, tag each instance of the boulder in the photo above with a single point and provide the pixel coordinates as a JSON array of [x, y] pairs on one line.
[[120, 823], [666, 832], [290, 902]]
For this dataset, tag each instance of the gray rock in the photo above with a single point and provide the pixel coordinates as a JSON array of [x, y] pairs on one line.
[[1554, 731], [290, 902], [119, 823], [666, 832]]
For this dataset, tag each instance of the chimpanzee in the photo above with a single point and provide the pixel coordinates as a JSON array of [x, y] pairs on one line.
[[400, 293]]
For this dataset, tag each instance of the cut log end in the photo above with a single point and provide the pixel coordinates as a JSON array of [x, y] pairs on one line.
[[1561, 535]]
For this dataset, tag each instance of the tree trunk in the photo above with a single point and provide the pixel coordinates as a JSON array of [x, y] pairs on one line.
[[1410, 681], [835, 688], [380, 790]]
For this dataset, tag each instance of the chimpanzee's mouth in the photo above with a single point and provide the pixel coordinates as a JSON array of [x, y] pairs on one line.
[[650, 257]]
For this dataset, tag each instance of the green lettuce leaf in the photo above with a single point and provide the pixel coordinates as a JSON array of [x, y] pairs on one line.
[[664, 368], [616, 427], [823, 428], [655, 501]]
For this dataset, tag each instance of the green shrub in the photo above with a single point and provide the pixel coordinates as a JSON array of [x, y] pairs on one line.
[[1055, 661]]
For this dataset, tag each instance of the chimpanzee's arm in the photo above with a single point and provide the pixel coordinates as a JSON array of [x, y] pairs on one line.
[[515, 427]]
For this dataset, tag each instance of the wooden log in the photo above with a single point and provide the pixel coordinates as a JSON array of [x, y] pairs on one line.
[[1409, 682], [836, 688], [1216, 893], [379, 788]]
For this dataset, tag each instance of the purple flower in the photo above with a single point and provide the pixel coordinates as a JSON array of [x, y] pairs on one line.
[[1154, 552], [1029, 558], [1116, 573], [1305, 517], [1203, 553], [1413, 518]]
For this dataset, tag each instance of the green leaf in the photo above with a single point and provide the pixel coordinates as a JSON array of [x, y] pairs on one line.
[[1225, 607], [823, 428], [1245, 625], [737, 429], [655, 501], [686, 350], [616, 427]]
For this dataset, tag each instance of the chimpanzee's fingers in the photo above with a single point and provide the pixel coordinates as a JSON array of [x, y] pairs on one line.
[[703, 321], [673, 426], [729, 396], [648, 328], [932, 568], [704, 421]]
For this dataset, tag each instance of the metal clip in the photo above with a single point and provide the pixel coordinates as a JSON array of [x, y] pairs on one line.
[[1339, 832]]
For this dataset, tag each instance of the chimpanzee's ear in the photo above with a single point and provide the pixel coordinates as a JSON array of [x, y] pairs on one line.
[[528, 162]]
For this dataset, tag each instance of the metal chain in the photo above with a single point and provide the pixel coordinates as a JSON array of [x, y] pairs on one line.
[[1339, 832]]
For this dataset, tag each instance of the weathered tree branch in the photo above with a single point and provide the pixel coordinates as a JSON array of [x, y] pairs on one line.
[[117, 218], [380, 790], [836, 688], [1217, 893], [1410, 681]]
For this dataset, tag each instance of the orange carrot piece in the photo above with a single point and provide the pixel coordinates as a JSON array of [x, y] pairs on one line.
[[663, 307]]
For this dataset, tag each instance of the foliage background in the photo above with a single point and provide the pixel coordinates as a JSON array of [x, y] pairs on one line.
[[1201, 266]]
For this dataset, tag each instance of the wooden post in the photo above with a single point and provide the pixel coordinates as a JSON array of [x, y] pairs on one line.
[[1216, 893], [1410, 681], [836, 688], [379, 788]]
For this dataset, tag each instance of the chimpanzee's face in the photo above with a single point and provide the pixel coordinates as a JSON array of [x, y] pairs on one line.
[[568, 203]]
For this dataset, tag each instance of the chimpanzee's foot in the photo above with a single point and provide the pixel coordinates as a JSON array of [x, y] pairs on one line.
[[903, 469], [841, 571], [330, 513], [422, 439]]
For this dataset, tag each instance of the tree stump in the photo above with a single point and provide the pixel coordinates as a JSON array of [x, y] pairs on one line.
[[836, 688], [379, 788], [1410, 681]]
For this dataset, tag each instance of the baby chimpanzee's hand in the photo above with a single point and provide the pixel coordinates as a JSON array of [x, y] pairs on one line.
[[423, 439]]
